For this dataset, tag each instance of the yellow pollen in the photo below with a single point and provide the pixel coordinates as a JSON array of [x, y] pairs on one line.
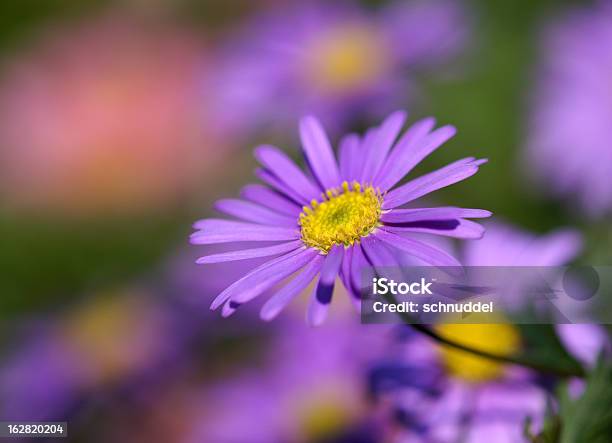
[[343, 217], [499, 338]]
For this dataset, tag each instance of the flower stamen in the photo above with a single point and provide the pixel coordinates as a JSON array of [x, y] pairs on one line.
[[343, 216]]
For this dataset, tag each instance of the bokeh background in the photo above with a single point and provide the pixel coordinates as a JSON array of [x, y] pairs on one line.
[[120, 124]]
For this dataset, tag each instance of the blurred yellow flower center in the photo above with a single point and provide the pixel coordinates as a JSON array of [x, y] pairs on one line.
[[323, 417], [345, 58], [343, 217], [499, 338], [104, 331]]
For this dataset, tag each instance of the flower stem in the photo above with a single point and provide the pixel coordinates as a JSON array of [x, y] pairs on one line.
[[514, 360]]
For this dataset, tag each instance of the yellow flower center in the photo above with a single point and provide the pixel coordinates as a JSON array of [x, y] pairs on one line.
[[499, 338], [343, 217], [345, 58]]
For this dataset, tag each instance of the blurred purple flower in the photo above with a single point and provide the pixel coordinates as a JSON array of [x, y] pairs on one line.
[[506, 245], [336, 60], [568, 148], [342, 218], [309, 388], [40, 381], [584, 341], [104, 342], [441, 394], [115, 349]]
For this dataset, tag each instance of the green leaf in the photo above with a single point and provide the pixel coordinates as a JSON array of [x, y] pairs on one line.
[[588, 419], [544, 349]]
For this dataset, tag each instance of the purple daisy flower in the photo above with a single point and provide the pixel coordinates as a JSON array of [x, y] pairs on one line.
[[442, 393], [340, 216], [507, 245], [334, 60], [312, 393], [568, 149], [100, 344]]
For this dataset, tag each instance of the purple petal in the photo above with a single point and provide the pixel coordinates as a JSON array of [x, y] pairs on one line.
[[322, 295], [347, 278], [358, 160], [317, 312], [275, 161], [446, 176], [283, 297], [221, 224], [392, 170], [345, 273], [271, 199], [329, 272], [229, 308], [584, 341], [427, 253], [368, 144], [558, 247], [319, 153], [411, 150], [380, 256], [273, 181], [442, 213], [377, 252], [222, 231], [264, 277], [504, 245], [253, 212], [348, 151], [225, 296], [385, 136], [245, 254], [358, 263], [268, 278], [456, 228]]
